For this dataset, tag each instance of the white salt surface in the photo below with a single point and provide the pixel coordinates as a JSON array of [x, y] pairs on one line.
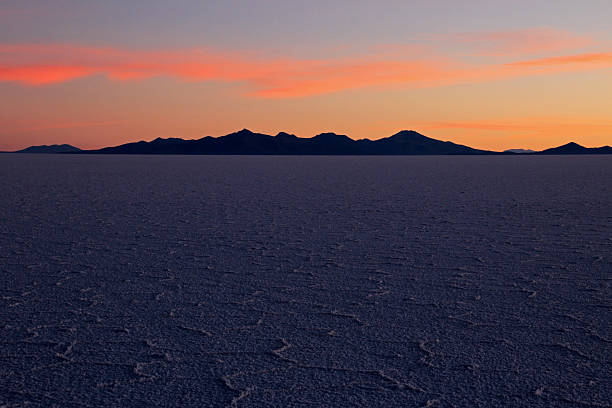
[[141, 281]]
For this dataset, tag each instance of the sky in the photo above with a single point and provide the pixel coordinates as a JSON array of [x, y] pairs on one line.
[[490, 74]]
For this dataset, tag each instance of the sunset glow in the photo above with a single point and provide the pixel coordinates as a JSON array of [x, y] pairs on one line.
[[213, 88]]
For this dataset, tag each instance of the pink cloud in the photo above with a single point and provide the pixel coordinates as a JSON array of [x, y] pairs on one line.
[[517, 42], [268, 78], [592, 60], [544, 125], [68, 125]]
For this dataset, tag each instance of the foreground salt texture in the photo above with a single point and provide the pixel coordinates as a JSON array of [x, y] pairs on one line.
[[305, 281]]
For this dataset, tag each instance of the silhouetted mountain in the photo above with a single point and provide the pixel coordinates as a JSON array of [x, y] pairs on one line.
[[406, 142], [63, 148], [409, 142], [519, 151], [575, 148], [245, 142]]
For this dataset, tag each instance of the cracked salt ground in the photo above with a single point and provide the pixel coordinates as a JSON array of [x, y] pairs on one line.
[[305, 281]]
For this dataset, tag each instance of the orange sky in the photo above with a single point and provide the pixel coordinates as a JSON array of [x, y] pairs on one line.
[[532, 87]]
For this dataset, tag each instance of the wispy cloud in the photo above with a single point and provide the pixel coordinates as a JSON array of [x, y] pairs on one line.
[[603, 59], [549, 126], [473, 125], [516, 42], [524, 132], [67, 125], [271, 78]]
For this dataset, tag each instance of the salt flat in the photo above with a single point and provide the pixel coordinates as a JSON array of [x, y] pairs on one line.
[[243, 281]]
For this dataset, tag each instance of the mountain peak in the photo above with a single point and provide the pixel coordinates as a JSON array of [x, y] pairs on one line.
[[573, 144], [285, 135], [568, 148], [331, 136], [54, 148], [244, 131], [409, 134]]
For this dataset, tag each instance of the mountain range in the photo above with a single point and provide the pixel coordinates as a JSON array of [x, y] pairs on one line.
[[56, 148], [245, 142], [520, 151], [575, 148]]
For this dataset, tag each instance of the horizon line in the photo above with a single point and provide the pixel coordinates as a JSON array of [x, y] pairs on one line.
[[246, 130]]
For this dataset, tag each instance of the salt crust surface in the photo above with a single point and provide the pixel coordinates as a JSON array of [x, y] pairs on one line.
[[305, 281]]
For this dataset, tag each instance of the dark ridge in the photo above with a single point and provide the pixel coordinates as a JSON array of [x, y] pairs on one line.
[[56, 148], [286, 135], [246, 142], [575, 148], [406, 142], [520, 151], [409, 142]]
